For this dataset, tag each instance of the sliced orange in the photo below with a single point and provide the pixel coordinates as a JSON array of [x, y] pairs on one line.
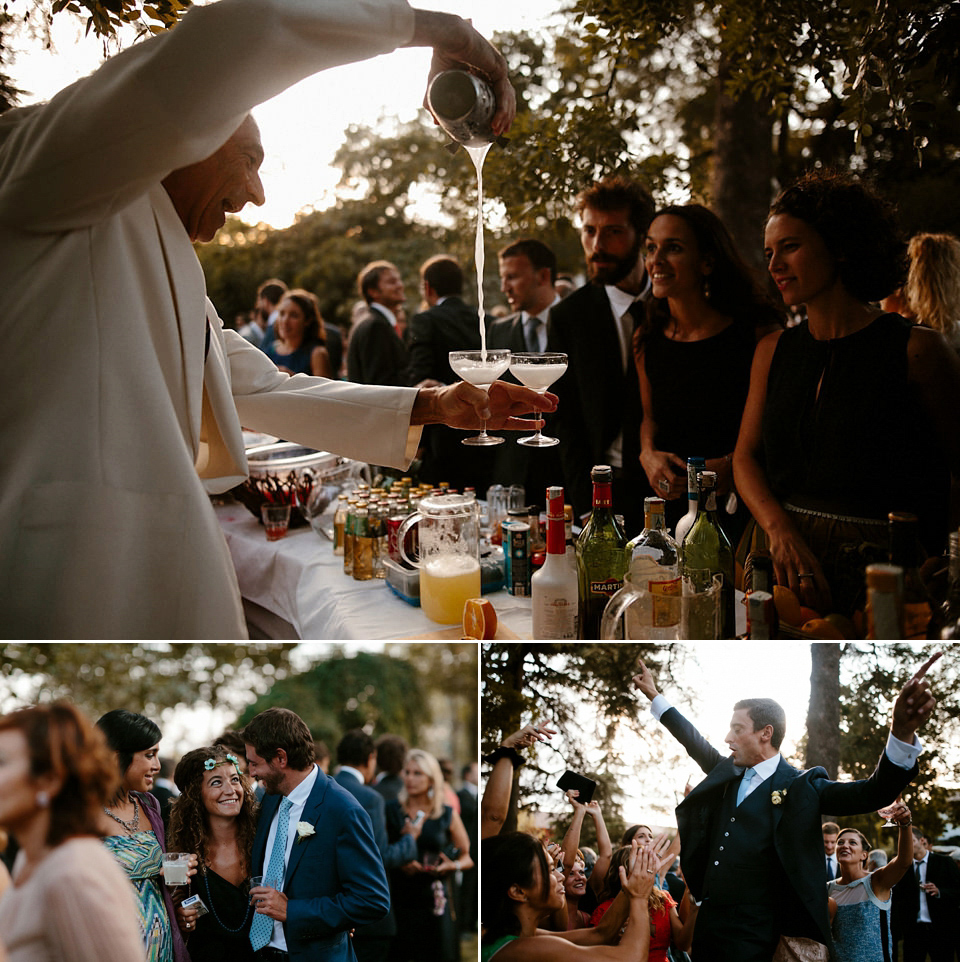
[[788, 605], [479, 619]]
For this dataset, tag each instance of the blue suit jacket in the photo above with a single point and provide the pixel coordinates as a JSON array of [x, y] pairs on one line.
[[393, 855], [334, 881], [797, 825]]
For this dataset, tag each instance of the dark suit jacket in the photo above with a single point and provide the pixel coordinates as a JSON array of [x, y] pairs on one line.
[[597, 399], [434, 333], [534, 468], [798, 838], [335, 879], [165, 797], [389, 786], [393, 855], [375, 354], [943, 872]]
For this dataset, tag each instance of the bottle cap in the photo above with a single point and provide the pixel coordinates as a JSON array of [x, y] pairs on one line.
[[601, 473], [884, 577]]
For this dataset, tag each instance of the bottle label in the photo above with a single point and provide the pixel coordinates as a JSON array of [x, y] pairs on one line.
[[556, 619], [664, 610], [609, 587], [602, 494]]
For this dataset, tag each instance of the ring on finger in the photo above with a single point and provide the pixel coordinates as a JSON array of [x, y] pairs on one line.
[[805, 574]]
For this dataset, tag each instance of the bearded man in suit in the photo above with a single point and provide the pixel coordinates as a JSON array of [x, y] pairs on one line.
[[315, 837], [750, 832], [593, 326]]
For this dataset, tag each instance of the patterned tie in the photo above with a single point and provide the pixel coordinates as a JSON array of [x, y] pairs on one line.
[[744, 784], [261, 928]]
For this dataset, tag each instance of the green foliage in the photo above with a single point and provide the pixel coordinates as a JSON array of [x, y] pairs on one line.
[[146, 678], [379, 693]]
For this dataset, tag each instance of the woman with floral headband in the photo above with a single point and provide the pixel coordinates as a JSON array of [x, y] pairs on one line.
[[215, 817]]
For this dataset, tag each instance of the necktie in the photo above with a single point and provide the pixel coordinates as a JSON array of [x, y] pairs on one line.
[[744, 785], [533, 334], [261, 928], [831, 871]]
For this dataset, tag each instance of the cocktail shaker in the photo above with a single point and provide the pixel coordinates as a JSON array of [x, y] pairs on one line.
[[464, 106]]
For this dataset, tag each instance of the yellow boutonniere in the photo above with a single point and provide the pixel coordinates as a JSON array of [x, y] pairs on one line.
[[777, 797]]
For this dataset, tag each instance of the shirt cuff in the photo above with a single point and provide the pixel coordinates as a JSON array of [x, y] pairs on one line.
[[659, 705], [901, 754]]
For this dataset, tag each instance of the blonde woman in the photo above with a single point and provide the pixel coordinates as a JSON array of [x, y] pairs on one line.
[[933, 284], [421, 889]]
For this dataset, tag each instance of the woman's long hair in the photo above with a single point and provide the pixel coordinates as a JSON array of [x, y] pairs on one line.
[[734, 288], [508, 859], [933, 283], [189, 826], [612, 884], [431, 768], [313, 329]]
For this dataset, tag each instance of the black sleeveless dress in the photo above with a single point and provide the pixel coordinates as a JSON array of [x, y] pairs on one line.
[[214, 939], [698, 390]]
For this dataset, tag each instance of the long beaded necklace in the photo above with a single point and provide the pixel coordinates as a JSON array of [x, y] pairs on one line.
[[213, 908], [134, 822]]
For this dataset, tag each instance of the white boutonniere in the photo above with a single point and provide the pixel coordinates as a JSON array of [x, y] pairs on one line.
[[777, 797], [304, 830]]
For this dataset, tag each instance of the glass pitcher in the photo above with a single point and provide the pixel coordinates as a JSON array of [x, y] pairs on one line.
[[449, 561], [634, 614]]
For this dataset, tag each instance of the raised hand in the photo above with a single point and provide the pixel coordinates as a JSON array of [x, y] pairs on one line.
[[914, 704], [528, 735], [644, 681]]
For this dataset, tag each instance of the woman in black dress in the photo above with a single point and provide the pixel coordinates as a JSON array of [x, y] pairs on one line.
[[693, 354], [421, 890], [215, 817]]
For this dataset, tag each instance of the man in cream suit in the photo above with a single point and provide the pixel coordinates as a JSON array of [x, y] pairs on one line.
[[116, 430]]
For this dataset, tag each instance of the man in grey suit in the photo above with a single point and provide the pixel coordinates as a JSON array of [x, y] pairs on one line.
[[357, 758]]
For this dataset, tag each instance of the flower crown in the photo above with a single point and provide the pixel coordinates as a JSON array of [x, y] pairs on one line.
[[212, 763]]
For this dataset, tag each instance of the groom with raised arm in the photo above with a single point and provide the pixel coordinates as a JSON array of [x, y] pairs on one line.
[[314, 846], [750, 834]]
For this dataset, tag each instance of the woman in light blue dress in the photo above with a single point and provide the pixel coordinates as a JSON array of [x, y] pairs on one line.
[[861, 927]]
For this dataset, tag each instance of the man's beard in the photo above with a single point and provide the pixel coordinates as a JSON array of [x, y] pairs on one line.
[[614, 271], [271, 784]]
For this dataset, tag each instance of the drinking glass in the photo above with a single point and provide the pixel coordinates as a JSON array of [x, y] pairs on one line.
[[480, 368], [175, 866], [887, 813], [538, 372]]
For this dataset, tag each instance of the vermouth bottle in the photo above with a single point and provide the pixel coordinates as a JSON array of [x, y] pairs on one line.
[[705, 553], [554, 588], [653, 558], [694, 467], [601, 559]]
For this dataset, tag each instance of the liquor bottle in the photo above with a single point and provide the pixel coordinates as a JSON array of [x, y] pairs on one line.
[[601, 560], [951, 607], [694, 466], [758, 571], [554, 587], [884, 602], [705, 553], [339, 520], [918, 607], [761, 616], [569, 540], [378, 532], [538, 545], [653, 559]]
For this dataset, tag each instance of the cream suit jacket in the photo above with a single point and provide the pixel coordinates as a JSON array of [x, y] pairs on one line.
[[113, 425]]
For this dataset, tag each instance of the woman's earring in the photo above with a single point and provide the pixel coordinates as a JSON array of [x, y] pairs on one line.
[[43, 799]]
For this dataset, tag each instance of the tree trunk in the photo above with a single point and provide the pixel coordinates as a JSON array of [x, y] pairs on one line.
[[514, 671], [823, 714], [741, 173]]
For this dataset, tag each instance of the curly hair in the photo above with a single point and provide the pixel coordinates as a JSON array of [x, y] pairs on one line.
[[189, 827], [933, 283], [858, 227]]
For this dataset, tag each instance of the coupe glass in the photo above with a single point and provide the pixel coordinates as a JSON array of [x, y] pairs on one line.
[[480, 368], [538, 372]]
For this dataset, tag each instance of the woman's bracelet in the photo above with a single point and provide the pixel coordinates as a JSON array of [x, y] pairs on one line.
[[515, 757]]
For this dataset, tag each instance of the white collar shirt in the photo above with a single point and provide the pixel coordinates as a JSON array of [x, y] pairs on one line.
[[921, 870], [298, 800], [356, 774], [386, 312]]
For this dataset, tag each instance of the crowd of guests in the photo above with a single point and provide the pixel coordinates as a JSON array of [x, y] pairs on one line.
[[386, 875], [752, 880], [821, 407]]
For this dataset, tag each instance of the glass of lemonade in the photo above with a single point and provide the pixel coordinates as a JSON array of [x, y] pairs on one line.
[[175, 865], [538, 372], [480, 368]]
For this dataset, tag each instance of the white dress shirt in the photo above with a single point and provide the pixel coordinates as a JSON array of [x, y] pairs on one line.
[[298, 800], [920, 868]]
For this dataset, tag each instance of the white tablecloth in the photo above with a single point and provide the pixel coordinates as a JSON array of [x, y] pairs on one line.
[[300, 580]]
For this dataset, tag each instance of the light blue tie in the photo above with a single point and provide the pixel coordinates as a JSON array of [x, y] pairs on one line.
[[261, 928], [744, 785]]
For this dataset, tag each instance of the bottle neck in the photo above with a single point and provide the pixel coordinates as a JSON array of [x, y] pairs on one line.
[[556, 536], [654, 521], [708, 503], [602, 495]]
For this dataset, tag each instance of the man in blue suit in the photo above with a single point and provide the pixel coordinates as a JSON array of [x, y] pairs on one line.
[[750, 832], [357, 757], [318, 839]]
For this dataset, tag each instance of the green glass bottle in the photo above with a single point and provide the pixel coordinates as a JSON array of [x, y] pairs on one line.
[[706, 552], [601, 559]]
